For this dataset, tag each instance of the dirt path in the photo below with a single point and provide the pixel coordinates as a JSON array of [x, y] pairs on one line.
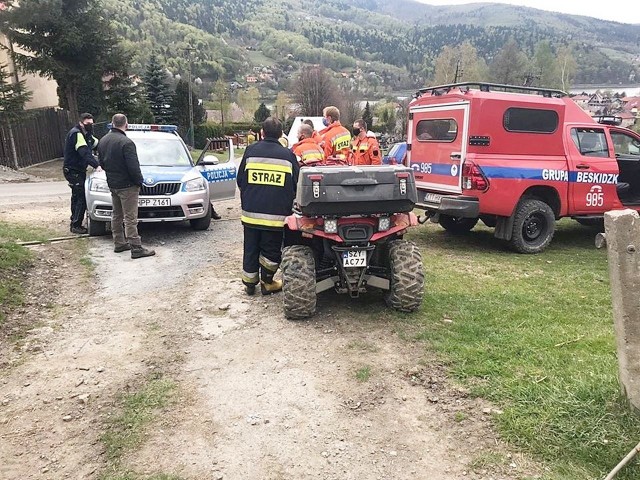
[[343, 396]]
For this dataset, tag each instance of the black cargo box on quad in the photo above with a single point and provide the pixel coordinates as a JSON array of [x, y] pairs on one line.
[[353, 190]]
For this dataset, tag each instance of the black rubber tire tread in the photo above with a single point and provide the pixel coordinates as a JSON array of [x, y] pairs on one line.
[[202, 223], [457, 226], [526, 208], [406, 276], [299, 277], [96, 228]]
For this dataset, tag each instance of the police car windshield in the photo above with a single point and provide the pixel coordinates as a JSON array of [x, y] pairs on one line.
[[162, 152]]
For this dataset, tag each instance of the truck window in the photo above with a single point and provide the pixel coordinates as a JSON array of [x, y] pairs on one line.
[[441, 130], [591, 142], [624, 144], [530, 120]]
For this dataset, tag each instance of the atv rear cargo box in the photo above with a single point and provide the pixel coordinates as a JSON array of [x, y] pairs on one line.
[[353, 190]]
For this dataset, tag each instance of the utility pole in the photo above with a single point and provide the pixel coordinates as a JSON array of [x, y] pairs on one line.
[[191, 139]]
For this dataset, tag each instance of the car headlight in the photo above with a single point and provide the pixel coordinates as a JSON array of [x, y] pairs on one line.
[[195, 185], [99, 185]]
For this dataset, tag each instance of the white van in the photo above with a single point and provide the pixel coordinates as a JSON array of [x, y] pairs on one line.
[[292, 136]]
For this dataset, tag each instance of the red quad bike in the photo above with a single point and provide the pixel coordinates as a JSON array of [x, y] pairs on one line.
[[346, 234]]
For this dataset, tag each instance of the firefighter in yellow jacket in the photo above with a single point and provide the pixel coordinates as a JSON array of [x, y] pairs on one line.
[[267, 178]]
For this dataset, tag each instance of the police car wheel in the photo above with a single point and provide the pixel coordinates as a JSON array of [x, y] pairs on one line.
[[299, 277], [457, 225], [96, 228], [533, 226], [406, 276], [202, 223]]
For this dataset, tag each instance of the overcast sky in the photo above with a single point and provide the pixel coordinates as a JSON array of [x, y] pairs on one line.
[[622, 11]]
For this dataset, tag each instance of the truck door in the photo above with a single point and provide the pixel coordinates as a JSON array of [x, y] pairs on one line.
[[436, 145], [593, 173]]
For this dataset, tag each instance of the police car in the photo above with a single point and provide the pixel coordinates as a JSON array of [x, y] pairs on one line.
[[175, 187]]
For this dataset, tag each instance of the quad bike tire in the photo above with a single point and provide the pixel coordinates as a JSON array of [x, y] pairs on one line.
[[299, 277], [406, 276]]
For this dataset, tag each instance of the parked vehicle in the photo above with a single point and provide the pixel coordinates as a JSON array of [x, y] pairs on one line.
[[175, 187], [517, 158], [397, 154], [347, 234]]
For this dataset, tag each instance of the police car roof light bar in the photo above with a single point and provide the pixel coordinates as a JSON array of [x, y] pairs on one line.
[[486, 87], [145, 127]]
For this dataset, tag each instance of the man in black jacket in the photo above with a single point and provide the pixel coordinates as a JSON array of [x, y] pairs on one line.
[[119, 159], [78, 146], [267, 179]]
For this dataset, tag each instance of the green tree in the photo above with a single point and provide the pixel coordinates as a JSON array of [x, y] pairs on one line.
[[567, 66], [459, 64], [280, 105], [248, 101], [158, 92], [69, 41], [262, 113], [544, 64], [220, 96], [367, 116], [13, 97], [181, 109], [123, 95], [510, 65]]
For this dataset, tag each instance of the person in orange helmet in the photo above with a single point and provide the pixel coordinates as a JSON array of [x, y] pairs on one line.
[[365, 149], [307, 149], [336, 139]]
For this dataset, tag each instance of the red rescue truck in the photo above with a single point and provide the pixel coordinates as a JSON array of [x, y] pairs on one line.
[[517, 158]]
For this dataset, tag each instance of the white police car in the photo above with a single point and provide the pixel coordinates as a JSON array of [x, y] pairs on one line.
[[175, 188]]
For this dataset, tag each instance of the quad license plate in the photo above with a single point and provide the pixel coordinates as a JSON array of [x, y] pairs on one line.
[[154, 202], [354, 258], [432, 198]]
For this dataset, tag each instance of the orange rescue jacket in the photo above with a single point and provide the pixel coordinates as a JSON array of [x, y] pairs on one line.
[[308, 151], [365, 151], [337, 141]]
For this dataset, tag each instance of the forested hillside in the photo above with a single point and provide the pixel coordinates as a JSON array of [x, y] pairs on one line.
[[397, 41]]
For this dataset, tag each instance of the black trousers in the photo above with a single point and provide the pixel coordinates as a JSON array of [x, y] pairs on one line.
[[78, 201], [262, 255]]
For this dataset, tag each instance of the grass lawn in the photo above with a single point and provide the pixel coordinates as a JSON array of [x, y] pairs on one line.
[[534, 334], [13, 259]]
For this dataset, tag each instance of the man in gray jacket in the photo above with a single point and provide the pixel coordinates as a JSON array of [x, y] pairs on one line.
[[119, 159]]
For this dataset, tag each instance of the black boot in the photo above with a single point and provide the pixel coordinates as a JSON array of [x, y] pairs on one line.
[[138, 251], [215, 214]]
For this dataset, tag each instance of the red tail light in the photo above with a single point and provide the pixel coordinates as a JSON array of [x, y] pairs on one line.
[[473, 178]]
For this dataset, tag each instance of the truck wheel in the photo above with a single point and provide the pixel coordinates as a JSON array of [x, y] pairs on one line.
[[457, 225], [202, 223], [406, 276], [299, 277], [533, 226], [96, 228]]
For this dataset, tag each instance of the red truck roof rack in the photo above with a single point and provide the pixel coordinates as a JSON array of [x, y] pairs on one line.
[[487, 87]]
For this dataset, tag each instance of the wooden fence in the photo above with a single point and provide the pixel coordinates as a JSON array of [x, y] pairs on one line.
[[36, 139]]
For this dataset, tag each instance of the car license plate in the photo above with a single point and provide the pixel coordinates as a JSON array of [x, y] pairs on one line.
[[432, 198], [354, 258], [154, 202]]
